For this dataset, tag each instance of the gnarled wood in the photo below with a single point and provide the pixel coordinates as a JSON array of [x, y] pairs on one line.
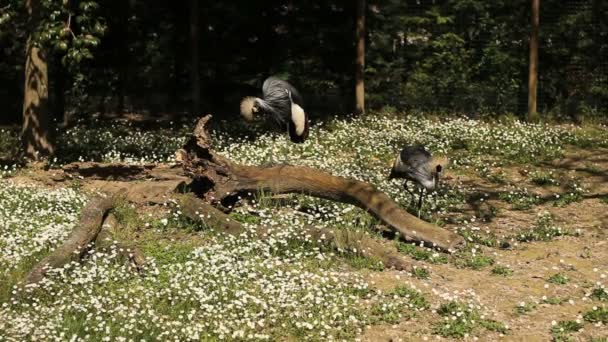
[[360, 244], [200, 211], [105, 241], [221, 181], [91, 220], [119, 171]]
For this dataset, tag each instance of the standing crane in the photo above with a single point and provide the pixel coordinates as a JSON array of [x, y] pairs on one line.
[[283, 102], [416, 164]]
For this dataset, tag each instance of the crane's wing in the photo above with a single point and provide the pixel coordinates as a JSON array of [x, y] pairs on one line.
[[415, 162], [272, 85]]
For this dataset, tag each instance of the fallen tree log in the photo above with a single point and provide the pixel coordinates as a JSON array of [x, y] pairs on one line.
[[223, 182], [119, 171], [353, 242], [91, 220]]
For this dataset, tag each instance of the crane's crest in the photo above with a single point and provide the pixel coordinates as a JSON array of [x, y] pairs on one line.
[[248, 107]]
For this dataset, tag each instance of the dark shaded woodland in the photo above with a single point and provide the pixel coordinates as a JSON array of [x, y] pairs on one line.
[[182, 58]]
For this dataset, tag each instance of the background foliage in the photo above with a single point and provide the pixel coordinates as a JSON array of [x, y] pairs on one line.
[[423, 55]]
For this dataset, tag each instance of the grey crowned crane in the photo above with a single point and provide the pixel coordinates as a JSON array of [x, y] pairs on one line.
[[283, 102], [416, 164]]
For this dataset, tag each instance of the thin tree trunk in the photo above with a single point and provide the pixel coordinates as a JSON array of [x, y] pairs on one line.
[[59, 92], [533, 71], [195, 72], [176, 56], [360, 59], [36, 130], [122, 56]]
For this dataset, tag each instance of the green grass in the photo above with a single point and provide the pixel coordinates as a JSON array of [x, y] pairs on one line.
[[526, 308], [542, 178], [599, 314], [589, 137], [498, 177], [361, 262], [543, 230], [168, 252], [420, 273], [558, 279], [503, 271], [15, 275], [574, 193], [568, 198], [563, 329], [386, 313], [421, 253], [246, 217], [475, 261], [599, 293], [29, 241], [415, 298], [10, 144], [520, 200], [554, 300], [460, 320], [406, 302], [485, 239]]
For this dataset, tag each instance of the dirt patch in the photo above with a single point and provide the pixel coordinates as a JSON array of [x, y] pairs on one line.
[[583, 260]]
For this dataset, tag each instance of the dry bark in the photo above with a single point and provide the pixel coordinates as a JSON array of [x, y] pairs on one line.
[[119, 171], [91, 220], [197, 210], [360, 58], [223, 182], [36, 130], [105, 241]]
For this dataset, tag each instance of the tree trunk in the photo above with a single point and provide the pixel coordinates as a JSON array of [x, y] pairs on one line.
[[36, 129], [122, 56], [59, 78], [360, 59], [195, 72], [533, 63]]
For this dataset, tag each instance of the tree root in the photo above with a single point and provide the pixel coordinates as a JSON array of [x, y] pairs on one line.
[[105, 242], [94, 230], [91, 220]]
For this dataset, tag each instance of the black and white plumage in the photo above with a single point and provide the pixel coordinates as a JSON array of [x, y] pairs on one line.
[[416, 164], [283, 102]]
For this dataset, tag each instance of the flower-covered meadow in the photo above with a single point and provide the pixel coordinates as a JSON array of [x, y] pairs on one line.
[[202, 285]]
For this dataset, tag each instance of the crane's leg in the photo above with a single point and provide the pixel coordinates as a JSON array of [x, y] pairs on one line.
[[408, 191], [420, 195]]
